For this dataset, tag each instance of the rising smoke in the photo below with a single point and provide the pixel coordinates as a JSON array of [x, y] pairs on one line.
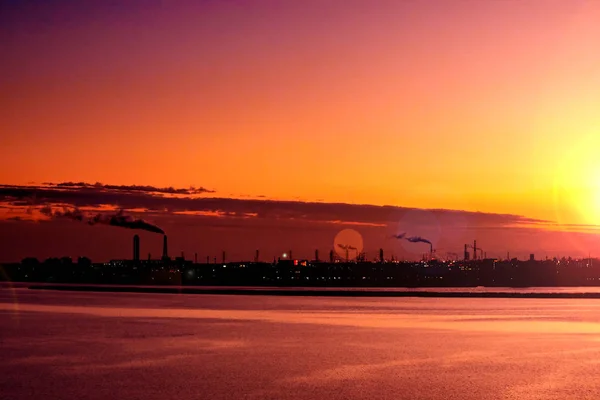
[[74, 214], [412, 239], [416, 239], [119, 219]]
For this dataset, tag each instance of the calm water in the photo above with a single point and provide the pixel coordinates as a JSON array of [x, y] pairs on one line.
[[65, 345]]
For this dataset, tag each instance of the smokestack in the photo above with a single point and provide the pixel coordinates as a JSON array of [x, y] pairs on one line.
[[136, 248], [331, 256], [381, 256], [182, 255], [256, 256], [149, 256], [317, 255], [474, 249], [165, 248], [195, 258], [291, 257], [223, 256], [466, 253]]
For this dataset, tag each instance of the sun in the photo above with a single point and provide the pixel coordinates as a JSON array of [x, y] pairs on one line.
[[348, 244], [587, 192], [577, 184], [595, 200]]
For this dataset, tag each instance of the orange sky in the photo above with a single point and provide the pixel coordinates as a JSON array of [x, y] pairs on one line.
[[489, 106]]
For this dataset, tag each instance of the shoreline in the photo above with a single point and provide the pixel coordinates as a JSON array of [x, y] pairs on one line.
[[320, 292]]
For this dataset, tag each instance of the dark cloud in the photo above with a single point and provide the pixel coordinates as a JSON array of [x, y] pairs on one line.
[[129, 188], [78, 195]]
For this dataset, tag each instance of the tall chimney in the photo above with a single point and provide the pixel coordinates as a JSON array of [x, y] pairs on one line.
[[331, 258], [256, 257], [136, 248], [317, 255], [165, 249], [474, 249], [223, 256], [381, 255], [291, 258], [195, 258]]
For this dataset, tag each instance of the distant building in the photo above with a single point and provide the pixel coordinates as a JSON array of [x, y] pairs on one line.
[[165, 255], [136, 248]]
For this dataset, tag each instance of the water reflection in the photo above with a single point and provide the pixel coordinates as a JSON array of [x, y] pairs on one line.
[[257, 347]]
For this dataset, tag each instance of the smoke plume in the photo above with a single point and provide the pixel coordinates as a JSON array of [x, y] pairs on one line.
[[416, 239], [119, 219], [399, 236], [74, 214]]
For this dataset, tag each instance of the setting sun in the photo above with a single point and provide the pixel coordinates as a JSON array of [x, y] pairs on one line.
[[592, 205], [577, 182]]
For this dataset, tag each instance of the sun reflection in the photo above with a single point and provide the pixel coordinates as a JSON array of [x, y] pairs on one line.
[[8, 286]]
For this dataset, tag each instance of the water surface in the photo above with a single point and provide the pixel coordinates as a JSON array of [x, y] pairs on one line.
[[64, 345]]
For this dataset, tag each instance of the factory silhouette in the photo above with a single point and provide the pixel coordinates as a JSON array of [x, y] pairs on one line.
[[352, 269]]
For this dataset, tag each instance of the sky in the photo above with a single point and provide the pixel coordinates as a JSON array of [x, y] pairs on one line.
[[487, 107]]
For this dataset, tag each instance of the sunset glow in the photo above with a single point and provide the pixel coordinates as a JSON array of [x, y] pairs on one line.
[[299, 200], [488, 107]]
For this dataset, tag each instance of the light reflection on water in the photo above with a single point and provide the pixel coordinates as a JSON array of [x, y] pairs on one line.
[[165, 346]]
